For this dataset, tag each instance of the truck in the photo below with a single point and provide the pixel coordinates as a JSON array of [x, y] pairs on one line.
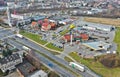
[[26, 48], [19, 35], [76, 66]]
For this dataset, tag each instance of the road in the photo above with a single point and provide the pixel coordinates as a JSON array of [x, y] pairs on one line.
[[46, 52], [44, 60], [5, 33]]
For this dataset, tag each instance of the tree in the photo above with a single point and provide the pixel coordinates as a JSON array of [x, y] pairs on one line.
[[4, 53], [9, 52]]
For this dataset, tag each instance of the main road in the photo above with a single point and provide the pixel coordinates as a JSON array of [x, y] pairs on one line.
[[57, 59], [44, 60]]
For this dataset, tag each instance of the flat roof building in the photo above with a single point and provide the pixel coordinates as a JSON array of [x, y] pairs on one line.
[[9, 62], [95, 26], [99, 45], [28, 70]]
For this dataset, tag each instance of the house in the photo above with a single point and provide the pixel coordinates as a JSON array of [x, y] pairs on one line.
[[33, 24], [9, 62], [45, 27], [84, 36], [67, 37]]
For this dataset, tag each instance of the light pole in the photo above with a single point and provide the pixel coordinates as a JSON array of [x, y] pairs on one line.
[[71, 37], [72, 26], [8, 15]]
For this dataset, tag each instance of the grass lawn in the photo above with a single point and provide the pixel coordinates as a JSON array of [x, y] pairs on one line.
[[37, 39], [97, 66], [64, 32], [68, 59], [117, 39], [51, 46], [108, 21], [34, 37]]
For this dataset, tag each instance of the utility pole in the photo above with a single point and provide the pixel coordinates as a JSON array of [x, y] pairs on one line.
[[71, 37]]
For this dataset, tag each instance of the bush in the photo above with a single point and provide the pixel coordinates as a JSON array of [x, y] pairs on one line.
[[53, 74], [110, 60]]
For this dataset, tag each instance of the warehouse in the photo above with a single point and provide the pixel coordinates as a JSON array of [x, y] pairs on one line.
[[96, 46]]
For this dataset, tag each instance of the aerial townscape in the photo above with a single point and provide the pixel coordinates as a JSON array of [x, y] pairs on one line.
[[59, 38]]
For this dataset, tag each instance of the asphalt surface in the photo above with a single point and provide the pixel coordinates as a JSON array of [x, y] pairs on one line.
[[44, 60], [5, 34], [46, 52]]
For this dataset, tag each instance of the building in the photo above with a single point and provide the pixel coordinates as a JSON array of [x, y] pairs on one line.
[[2, 3], [80, 37], [34, 24], [97, 46], [67, 38], [39, 73], [28, 70], [94, 26], [25, 69], [9, 62]]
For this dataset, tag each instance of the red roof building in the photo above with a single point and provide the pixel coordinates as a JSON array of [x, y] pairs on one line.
[[84, 36], [45, 27], [53, 25], [67, 37]]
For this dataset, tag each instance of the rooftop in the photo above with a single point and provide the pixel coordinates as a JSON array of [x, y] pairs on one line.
[[99, 45], [26, 68], [39, 73], [95, 25], [10, 58]]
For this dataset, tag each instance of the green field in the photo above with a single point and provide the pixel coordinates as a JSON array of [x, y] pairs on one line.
[[51, 46], [37, 39], [97, 67], [64, 32], [108, 21], [117, 39], [34, 37], [68, 59]]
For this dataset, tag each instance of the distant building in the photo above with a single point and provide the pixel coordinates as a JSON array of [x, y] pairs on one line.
[[8, 63], [3, 3], [102, 27]]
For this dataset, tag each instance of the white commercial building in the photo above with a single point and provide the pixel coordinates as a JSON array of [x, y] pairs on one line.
[[39, 73]]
